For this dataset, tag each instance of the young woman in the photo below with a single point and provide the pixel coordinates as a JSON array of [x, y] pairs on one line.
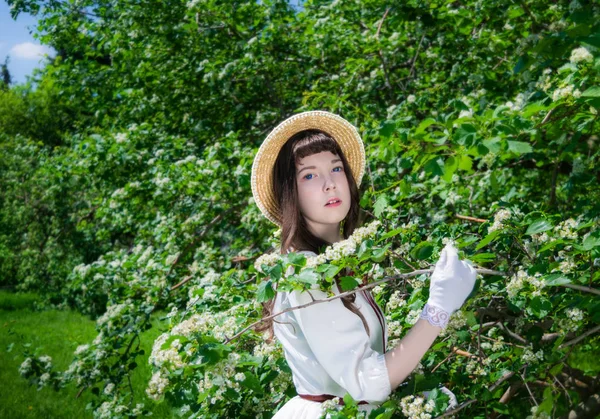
[[305, 178]]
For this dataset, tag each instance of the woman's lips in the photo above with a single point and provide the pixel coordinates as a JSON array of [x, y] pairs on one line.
[[336, 204]]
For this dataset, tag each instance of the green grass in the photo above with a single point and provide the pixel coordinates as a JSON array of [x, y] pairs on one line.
[[55, 333]]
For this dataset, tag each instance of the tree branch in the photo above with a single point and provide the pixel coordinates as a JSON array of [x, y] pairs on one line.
[[354, 291]]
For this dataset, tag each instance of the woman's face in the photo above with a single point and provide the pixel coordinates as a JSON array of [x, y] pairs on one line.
[[320, 179]]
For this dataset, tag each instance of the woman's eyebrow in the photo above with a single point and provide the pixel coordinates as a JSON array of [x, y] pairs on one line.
[[313, 167]]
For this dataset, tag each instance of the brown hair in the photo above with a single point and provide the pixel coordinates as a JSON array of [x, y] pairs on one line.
[[294, 231]]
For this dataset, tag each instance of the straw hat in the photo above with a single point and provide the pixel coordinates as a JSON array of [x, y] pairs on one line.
[[342, 131]]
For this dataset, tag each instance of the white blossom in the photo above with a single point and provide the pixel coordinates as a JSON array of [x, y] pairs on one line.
[[499, 217], [581, 54]]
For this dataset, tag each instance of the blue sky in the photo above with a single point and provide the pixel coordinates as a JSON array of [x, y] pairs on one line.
[[25, 52]]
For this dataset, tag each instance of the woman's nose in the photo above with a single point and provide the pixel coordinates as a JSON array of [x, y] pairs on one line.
[[329, 184]]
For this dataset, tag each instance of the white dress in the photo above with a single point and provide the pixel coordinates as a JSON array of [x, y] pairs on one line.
[[329, 352]]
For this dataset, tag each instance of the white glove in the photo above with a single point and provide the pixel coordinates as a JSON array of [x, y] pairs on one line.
[[451, 283]]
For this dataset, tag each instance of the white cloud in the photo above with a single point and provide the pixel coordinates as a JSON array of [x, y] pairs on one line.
[[29, 51]]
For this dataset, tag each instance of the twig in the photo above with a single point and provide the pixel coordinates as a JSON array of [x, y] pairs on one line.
[[80, 391], [580, 338], [444, 360], [466, 217], [564, 388], [186, 279], [503, 342], [412, 66], [510, 391], [341, 295], [402, 258], [512, 334], [582, 288], [547, 116], [381, 23], [529, 390], [491, 389]]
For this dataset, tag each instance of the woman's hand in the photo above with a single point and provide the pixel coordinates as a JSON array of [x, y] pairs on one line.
[[451, 282]]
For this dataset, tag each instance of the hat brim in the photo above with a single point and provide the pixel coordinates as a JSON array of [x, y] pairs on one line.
[[342, 131]]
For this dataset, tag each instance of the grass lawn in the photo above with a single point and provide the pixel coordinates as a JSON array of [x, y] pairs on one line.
[[56, 333]]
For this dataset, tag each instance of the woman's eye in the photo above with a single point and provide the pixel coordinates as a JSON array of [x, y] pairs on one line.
[[339, 167], [307, 176]]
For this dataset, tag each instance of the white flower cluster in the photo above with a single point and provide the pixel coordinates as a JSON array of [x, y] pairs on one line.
[[518, 281], [224, 374], [25, 367], [109, 388], [477, 368], [394, 328], [157, 386], [413, 316], [451, 198], [333, 404], [540, 238], [111, 313], [538, 415], [266, 259], [581, 54], [415, 407], [395, 301], [465, 114], [572, 320], [566, 228], [168, 358], [565, 92], [411, 99], [81, 349], [457, 321], [44, 379], [334, 252], [530, 357], [518, 104], [121, 137], [268, 350], [499, 217]]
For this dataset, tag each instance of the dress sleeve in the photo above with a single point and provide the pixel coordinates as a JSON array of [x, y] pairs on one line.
[[341, 345]]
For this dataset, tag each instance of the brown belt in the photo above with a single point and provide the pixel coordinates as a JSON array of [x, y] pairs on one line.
[[324, 397]]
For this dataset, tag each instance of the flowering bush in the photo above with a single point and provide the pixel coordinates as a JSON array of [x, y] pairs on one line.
[[480, 125]]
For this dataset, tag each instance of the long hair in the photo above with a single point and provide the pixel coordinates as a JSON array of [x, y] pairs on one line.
[[294, 230]]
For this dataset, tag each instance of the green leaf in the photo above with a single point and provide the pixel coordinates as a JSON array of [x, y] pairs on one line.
[[538, 226], [265, 291], [450, 166], [465, 163], [593, 91], [483, 257], [551, 245], [379, 254], [424, 125], [519, 147], [389, 234], [539, 307], [348, 283], [380, 205], [328, 270], [487, 239], [422, 251], [387, 129], [556, 279], [252, 382], [308, 276], [591, 241], [435, 167]]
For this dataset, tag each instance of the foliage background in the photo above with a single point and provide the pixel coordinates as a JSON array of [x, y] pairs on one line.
[[125, 171]]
